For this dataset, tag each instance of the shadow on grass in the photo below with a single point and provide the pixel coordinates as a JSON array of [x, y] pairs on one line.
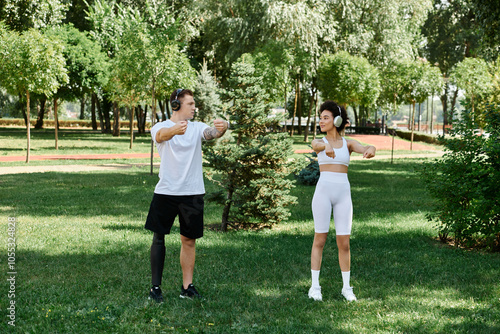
[[254, 282]]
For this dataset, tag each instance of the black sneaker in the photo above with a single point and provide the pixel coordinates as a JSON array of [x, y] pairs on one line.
[[190, 292], [155, 294]]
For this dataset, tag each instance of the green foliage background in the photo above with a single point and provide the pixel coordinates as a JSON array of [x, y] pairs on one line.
[[466, 180]]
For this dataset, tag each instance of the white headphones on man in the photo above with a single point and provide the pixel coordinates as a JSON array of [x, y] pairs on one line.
[[337, 121]]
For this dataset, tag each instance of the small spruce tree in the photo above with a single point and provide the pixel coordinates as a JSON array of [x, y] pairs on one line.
[[206, 94], [251, 164]]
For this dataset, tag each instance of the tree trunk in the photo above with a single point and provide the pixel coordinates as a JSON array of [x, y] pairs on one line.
[[286, 114], [100, 114], [299, 111], [167, 107], [409, 117], [306, 135], [229, 202], [56, 125], [295, 107], [454, 102], [356, 116], [92, 110], [132, 126], [153, 118], [139, 116], [41, 113], [419, 113], [362, 115], [28, 134], [145, 118], [82, 107], [444, 102], [116, 119], [427, 115], [225, 212], [432, 113], [412, 125], [315, 115], [105, 112], [162, 109], [23, 109]]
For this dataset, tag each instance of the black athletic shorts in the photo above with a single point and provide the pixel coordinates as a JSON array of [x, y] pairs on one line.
[[164, 209]]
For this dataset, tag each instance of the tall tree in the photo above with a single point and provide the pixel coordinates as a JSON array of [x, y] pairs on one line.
[[304, 31], [147, 44], [349, 80], [87, 66], [452, 35], [487, 16], [473, 76], [229, 29], [426, 81], [379, 30], [31, 63]]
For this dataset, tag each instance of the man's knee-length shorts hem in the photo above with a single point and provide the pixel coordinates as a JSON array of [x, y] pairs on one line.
[[165, 208]]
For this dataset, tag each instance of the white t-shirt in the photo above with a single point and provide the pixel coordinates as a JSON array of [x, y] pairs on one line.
[[181, 171]]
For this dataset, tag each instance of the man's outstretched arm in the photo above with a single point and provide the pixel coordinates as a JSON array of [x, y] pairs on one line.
[[217, 131]]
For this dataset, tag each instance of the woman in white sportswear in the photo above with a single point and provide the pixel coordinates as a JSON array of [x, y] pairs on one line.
[[333, 193]]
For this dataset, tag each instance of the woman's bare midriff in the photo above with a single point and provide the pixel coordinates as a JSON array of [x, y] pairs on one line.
[[333, 168]]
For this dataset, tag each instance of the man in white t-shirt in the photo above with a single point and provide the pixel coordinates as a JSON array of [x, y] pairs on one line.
[[180, 190]]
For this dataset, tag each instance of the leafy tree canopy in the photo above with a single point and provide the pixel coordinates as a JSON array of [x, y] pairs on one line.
[[348, 79], [31, 62], [21, 15], [87, 66]]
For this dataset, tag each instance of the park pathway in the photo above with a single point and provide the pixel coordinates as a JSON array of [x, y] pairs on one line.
[[379, 141]]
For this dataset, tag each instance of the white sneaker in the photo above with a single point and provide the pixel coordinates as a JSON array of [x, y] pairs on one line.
[[348, 294], [315, 293]]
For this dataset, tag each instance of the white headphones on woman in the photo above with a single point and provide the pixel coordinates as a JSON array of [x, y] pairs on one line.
[[337, 121]]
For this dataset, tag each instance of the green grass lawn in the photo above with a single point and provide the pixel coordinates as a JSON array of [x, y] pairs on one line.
[[82, 263], [85, 141], [71, 141]]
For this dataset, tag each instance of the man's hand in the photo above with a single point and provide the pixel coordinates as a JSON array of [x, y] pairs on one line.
[[180, 128], [220, 125], [219, 128], [168, 133]]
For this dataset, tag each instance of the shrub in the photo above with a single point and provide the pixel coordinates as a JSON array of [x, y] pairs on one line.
[[465, 183], [426, 138], [310, 174]]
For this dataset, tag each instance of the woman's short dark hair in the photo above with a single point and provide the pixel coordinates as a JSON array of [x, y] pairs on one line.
[[336, 110]]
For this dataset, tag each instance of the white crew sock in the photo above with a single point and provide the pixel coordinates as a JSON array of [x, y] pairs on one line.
[[346, 277], [315, 278]]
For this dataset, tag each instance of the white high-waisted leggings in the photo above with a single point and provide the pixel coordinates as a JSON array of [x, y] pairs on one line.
[[333, 191]]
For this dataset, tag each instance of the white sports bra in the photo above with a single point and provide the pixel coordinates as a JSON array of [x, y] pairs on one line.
[[342, 156]]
